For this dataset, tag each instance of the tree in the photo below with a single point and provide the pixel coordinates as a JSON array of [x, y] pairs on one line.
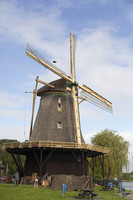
[[118, 157], [7, 159]]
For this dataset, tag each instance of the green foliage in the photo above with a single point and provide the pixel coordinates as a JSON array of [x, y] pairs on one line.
[[7, 159], [117, 159], [127, 176], [99, 177]]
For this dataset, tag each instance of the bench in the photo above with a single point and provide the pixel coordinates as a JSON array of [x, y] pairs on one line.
[[124, 192], [87, 193]]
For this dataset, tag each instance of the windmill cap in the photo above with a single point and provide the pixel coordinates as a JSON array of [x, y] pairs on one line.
[[59, 86]]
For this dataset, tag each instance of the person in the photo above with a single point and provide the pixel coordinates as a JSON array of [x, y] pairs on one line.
[[16, 179], [45, 179], [36, 183]]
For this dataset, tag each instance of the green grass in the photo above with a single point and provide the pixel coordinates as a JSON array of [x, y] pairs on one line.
[[27, 192], [108, 195]]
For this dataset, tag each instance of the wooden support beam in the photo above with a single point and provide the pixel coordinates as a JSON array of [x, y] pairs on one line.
[[15, 160], [40, 164], [90, 165], [33, 107], [83, 160], [20, 164], [47, 158], [52, 86], [103, 168], [78, 160], [93, 167], [35, 156], [101, 160], [83, 99]]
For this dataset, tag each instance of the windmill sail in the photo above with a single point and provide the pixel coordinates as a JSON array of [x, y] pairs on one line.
[[31, 52], [96, 99], [86, 93], [75, 99], [73, 52]]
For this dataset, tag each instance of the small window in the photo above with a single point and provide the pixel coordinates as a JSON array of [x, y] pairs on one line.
[[59, 99], [59, 105], [59, 124]]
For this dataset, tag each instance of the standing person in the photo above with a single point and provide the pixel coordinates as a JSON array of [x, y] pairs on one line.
[[36, 183], [16, 179], [45, 179]]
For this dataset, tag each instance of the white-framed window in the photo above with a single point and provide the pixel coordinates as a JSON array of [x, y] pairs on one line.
[[59, 124]]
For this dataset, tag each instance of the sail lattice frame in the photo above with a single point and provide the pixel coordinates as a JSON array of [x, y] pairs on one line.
[[95, 101], [35, 53]]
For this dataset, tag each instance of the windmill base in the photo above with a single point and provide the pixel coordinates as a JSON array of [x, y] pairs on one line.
[[56, 162]]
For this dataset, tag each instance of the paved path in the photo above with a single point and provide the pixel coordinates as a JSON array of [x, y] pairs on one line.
[[129, 197]]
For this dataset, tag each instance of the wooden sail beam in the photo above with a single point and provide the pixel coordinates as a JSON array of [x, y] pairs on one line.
[[75, 98], [72, 58], [90, 91], [49, 67]]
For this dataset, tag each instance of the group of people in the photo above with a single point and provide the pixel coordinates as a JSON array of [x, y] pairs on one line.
[[16, 180]]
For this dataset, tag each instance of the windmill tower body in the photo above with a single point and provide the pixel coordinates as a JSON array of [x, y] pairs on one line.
[[55, 122]]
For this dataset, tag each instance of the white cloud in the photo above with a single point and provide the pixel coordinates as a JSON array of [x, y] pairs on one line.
[[65, 3], [9, 100], [87, 113], [19, 133], [103, 60], [107, 67], [14, 114], [88, 137], [78, 4], [15, 108], [32, 26], [129, 14]]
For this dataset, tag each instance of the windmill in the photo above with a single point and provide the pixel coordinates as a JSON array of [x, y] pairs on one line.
[[56, 144], [87, 94]]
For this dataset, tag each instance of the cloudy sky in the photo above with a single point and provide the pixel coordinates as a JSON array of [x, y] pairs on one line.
[[104, 60]]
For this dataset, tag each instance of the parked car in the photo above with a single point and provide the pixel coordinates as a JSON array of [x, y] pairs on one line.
[[3, 179]]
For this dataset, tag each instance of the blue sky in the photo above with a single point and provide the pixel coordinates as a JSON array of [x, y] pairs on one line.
[[104, 60]]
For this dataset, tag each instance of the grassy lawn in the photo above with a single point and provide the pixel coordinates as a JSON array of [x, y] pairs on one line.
[[27, 192]]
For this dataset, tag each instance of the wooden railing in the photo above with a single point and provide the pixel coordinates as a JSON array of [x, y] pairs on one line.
[[53, 144]]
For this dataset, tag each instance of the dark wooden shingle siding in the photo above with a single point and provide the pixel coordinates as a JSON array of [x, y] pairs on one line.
[[46, 123], [52, 124]]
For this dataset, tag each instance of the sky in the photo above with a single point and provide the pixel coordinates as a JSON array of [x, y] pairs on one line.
[[104, 60]]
